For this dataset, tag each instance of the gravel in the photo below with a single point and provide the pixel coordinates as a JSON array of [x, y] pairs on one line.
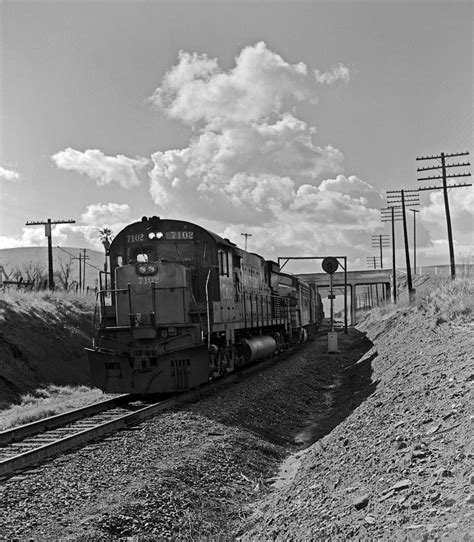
[[372, 443], [192, 472]]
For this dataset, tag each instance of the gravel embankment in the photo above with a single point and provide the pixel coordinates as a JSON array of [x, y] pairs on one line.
[[193, 472], [400, 466]]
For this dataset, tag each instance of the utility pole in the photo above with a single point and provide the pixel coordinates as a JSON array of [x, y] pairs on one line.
[[380, 241], [414, 211], [392, 214], [84, 258], [373, 262], [444, 177], [47, 232], [246, 235], [405, 198], [80, 271]]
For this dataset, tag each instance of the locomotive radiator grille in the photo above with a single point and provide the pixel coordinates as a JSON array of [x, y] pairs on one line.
[[180, 369]]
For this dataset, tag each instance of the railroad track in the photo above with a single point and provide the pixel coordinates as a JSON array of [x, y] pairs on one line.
[[27, 445]]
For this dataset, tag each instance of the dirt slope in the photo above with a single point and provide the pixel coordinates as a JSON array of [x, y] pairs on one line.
[[42, 340], [400, 466]]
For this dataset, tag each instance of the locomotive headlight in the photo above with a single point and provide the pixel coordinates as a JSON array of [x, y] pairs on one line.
[[155, 235]]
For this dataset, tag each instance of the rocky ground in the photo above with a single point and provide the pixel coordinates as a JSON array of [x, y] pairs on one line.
[[372, 443]]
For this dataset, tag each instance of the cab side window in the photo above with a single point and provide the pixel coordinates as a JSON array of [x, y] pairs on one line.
[[223, 263]]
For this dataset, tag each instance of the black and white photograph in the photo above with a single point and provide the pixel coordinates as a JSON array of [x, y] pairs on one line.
[[236, 270]]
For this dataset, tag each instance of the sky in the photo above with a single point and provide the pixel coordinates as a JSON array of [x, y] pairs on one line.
[[286, 120]]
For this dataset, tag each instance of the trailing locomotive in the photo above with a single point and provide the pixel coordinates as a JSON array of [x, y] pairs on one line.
[[184, 305]]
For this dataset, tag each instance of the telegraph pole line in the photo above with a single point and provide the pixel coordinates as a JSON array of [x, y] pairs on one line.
[[403, 198], [380, 241], [47, 232], [373, 262], [84, 258], [391, 214], [414, 211], [246, 235], [444, 177]]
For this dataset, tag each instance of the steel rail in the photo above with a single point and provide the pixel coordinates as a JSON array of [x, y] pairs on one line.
[[67, 443], [34, 428]]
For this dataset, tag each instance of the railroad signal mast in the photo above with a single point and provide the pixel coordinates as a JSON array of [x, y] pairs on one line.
[[380, 242], [443, 166], [402, 199], [47, 232]]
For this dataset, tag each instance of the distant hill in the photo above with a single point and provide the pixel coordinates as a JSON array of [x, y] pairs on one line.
[[29, 259]]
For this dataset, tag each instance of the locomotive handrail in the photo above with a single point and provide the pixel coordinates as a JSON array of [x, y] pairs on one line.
[[100, 294], [208, 311]]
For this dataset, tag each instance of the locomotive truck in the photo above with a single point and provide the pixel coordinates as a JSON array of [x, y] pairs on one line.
[[182, 305]]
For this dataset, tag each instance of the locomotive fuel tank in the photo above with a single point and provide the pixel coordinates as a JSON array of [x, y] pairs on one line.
[[258, 347]]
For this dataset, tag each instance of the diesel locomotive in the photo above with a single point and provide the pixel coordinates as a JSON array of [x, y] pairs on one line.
[[181, 305]]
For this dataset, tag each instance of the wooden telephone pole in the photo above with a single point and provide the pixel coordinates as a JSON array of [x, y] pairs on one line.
[[47, 232], [373, 262], [380, 241], [405, 198], [414, 211], [246, 235], [391, 214], [444, 177]]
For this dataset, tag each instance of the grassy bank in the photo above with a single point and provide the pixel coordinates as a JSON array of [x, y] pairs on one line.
[[47, 402]]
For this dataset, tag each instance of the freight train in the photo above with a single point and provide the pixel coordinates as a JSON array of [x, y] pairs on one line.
[[181, 306]]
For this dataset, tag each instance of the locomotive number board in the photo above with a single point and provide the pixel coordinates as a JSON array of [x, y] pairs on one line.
[[179, 235]]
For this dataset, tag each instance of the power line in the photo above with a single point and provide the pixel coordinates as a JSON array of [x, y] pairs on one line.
[[47, 232], [405, 198], [380, 242], [444, 177], [392, 217], [246, 235]]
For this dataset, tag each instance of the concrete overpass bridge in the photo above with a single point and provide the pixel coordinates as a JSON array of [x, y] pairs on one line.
[[375, 285]]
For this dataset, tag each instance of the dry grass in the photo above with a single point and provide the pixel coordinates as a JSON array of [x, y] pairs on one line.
[[49, 402], [46, 300], [452, 301], [444, 300]]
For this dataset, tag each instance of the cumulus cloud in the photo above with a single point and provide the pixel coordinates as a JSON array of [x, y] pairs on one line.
[[261, 83], [251, 164], [461, 204], [9, 175], [101, 168], [337, 73], [104, 214], [250, 153]]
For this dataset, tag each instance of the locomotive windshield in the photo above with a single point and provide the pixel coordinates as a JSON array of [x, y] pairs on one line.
[[171, 252]]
